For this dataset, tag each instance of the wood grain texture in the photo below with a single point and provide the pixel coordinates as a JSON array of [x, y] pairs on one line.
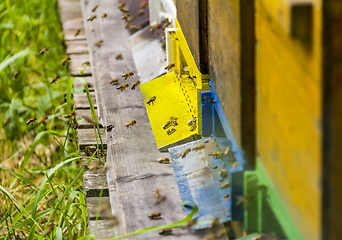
[[82, 102], [86, 137], [87, 120], [332, 121], [77, 47], [231, 48], [133, 171], [76, 65], [90, 80]]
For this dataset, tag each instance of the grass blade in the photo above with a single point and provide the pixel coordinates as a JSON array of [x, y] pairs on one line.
[[9, 60]]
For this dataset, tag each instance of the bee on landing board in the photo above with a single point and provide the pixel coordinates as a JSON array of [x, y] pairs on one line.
[[122, 87], [217, 154], [155, 216], [225, 184], [141, 12], [134, 27], [55, 78], [125, 10], [192, 121], [135, 84], [77, 32], [94, 8], [91, 18], [167, 125], [119, 57], [44, 50], [98, 44], [166, 231], [159, 198], [131, 19], [121, 5], [170, 131], [151, 100], [104, 16], [130, 124], [114, 81], [127, 75], [186, 151], [127, 24], [155, 27], [168, 67], [125, 16], [65, 60], [164, 160], [144, 6], [31, 120], [193, 127]]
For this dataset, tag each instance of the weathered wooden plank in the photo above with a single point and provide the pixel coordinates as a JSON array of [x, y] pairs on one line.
[[70, 28], [82, 102], [133, 172], [102, 229], [76, 65], [77, 47], [98, 207], [86, 137], [87, 120], [89, 80], [231, 48], [332, 121]]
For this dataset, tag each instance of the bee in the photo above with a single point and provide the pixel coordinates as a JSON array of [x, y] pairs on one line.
[[77, 32], [125, 16], [173, 119], [186, 151], [103, 15], [31, 120], [166, 231], [130, 124], [69, 115], [114, 81], [55, 197], [226, 152], [164, 161], [7, 121], [16, 74], [141, 12], [119, 57], [223, 173], [91, 18], [155, 216], [94, 8], [122, 87], [193, 127], [134, 27], [89, 84], [124, 10], [225, 184], [144, 6], [190, 224], [127, 24], [113, 220], [174, 122], [167, 125], [86, 64], [65, 60], [163, 46], [131, 19], [217, 154], [121, 5], [44, 50], [49, 230], [42, 119], [155, 27], [129, 74], [74, 120], [235, 165], [135, 84], [98, 44], [170, 131], [110, 127], [199, 147], [159, 198], [168, 67], [94, 166], [192, 121], [89, 150], [151, 100]]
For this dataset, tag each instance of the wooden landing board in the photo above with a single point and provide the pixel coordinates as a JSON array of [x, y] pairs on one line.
[[86, 137], [90, 80], [82, 102], [77, 47], [133, 171], [86, 115], [76, 65]]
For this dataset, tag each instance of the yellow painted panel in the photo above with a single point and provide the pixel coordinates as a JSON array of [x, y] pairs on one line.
[[289, 112]]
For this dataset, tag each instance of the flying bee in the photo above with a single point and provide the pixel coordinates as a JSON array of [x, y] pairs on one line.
[[193, 127], [94, 8], [44, 50], [131, 19], [16, 74], [119, 57], [141, 12], [98, 44], [186, 151], [125, 16], [144, 6], [69, 115], [125, 10], [190, 224], [65, 60], [127, 24], [192, 121], [42, 119], [173, 119], [164, 161], [167, 125], [135, 84], [199, 147], [134, 27], [163, 46], [166, 231], [155, 216], [94, 166], [86, 64], [122, 87], [114, 81], [225, 184], [217, 154], [223, 173], [235, 165], [127, 75], [121, 5], [114, 221], [151, 100], [49, 230], [159, 198], [155, 27], [91, 18], [77, 32], [74, 120], [170, 131], [31, 120], [130, 124], [103, 15], [7, 121]]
